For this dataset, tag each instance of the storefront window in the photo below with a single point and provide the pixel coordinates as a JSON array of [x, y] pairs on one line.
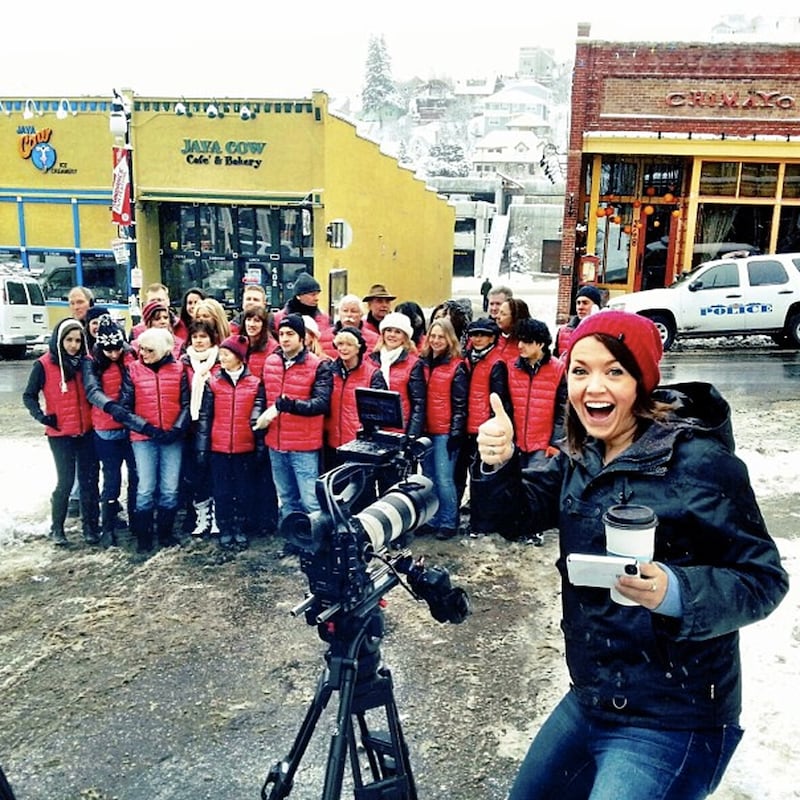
[[98, 272], [789, 231], [791, 181], [662, 177], [758, 180], [618, 177], [726, 229], [719, 178]]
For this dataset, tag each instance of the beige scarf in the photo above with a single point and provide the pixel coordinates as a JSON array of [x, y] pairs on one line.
[[202, 363]]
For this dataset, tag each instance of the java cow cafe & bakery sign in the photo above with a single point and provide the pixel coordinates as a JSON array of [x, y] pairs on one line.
[[233, 153]]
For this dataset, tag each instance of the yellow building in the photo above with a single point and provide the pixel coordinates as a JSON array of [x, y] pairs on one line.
[[224, 193]]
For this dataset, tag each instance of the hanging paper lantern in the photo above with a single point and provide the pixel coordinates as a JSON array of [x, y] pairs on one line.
[[637, 203], [627, 229], [609, 211], [656, 224], [650, 191], [601, 212], [676, 213], [616, 219], [648, 210], [668, 197]]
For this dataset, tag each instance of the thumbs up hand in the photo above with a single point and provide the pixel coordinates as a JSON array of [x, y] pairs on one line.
[[496, 435]]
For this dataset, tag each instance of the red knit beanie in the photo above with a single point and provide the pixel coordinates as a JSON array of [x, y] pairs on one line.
[[148, 312], [237, 345], [638, 334]]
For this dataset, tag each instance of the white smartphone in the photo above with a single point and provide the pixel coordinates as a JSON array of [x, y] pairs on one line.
[[584, 569]]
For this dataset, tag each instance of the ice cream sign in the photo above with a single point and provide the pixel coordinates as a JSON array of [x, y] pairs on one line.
[[35, 146], [233, 153]]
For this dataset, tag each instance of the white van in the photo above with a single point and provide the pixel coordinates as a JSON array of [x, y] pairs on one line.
[[23, 313]]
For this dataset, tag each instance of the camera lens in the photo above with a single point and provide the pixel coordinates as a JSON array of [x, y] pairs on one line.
[[404, 507], [631, 569]]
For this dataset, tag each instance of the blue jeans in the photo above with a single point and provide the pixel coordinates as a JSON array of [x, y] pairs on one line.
[[113, 452], [159, 469], [295, 474], [574, 757], [440, 466]]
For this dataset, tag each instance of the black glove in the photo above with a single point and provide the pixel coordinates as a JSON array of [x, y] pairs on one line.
[[454, 444], [152, 432], [50, 420], [115, 410], [171, 436], [284, 404]]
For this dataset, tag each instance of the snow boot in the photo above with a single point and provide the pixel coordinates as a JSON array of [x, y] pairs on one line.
[[203, 512], [58, 513], [142, 528], [165, 523], [108, 523]]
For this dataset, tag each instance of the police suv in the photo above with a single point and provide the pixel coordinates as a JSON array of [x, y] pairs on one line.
[[726, 297]]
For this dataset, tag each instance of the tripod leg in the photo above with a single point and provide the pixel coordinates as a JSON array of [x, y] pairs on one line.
[[281, 776], [343, 733], [386, 750]]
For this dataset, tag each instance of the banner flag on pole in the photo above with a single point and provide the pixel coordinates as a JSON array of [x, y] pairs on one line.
[[121, 188]]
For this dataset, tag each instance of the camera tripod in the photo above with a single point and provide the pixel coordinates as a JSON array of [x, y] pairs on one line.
[[353, 669]]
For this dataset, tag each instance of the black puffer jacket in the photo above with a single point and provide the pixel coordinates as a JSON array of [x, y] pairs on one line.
[[628, 664]]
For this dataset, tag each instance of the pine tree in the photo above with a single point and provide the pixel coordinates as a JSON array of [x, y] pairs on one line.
[[379, 89]]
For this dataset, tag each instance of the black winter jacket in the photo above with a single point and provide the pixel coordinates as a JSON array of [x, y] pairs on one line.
[[628, 664]]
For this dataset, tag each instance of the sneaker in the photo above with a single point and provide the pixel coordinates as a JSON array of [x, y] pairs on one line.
[[446, 533], [536, 539]]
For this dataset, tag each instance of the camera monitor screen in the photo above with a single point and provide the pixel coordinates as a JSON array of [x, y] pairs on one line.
[[378, 408]]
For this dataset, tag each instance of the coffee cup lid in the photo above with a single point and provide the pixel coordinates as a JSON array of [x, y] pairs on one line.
[[630, 516]]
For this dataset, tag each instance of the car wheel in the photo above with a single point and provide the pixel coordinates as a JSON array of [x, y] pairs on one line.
[[666, 329], [793, 330]]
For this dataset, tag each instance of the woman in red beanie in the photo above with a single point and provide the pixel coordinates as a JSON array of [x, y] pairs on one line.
[[655, 686]]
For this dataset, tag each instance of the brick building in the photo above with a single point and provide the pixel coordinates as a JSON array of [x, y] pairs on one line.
[[678, 152]]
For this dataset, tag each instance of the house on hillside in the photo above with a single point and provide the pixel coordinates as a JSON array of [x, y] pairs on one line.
[[515, 153], [526, 97]]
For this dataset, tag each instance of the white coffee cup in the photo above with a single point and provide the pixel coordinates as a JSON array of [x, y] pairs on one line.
[[631, 532]]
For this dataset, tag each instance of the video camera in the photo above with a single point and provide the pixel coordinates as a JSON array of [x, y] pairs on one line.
[[353, 558]]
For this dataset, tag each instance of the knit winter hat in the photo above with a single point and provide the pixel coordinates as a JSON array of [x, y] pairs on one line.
[[237, 345], [95, 312], [295, 322], [109, 335], [593, 293], [354, 333], [305, 283], [483, 325], [638, 334], [397, 320], [311, 325], [150, 309]]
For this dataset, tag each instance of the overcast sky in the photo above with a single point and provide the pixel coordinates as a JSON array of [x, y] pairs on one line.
[[263, 48]]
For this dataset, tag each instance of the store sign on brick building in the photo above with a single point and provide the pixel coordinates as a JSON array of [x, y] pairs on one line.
[[667, 97]]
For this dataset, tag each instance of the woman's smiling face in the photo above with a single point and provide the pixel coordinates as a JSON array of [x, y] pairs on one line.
[[603, 394]]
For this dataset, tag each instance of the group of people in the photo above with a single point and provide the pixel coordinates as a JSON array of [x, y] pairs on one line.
[[234, 419], [544, 442]]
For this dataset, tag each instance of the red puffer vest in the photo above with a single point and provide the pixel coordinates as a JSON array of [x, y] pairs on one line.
[[533, 398], [111, 383], [72, 409], [342, 424], [478, 407], [439, 408], [292, 432], [157, 394], [231, 431]]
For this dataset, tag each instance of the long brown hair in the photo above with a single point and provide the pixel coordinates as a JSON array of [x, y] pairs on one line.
[[645, 408], [453, 345]]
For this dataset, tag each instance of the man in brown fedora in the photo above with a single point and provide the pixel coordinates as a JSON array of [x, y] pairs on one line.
[[379, 304]]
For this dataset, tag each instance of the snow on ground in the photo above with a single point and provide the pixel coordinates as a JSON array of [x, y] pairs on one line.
[[761, 767]]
